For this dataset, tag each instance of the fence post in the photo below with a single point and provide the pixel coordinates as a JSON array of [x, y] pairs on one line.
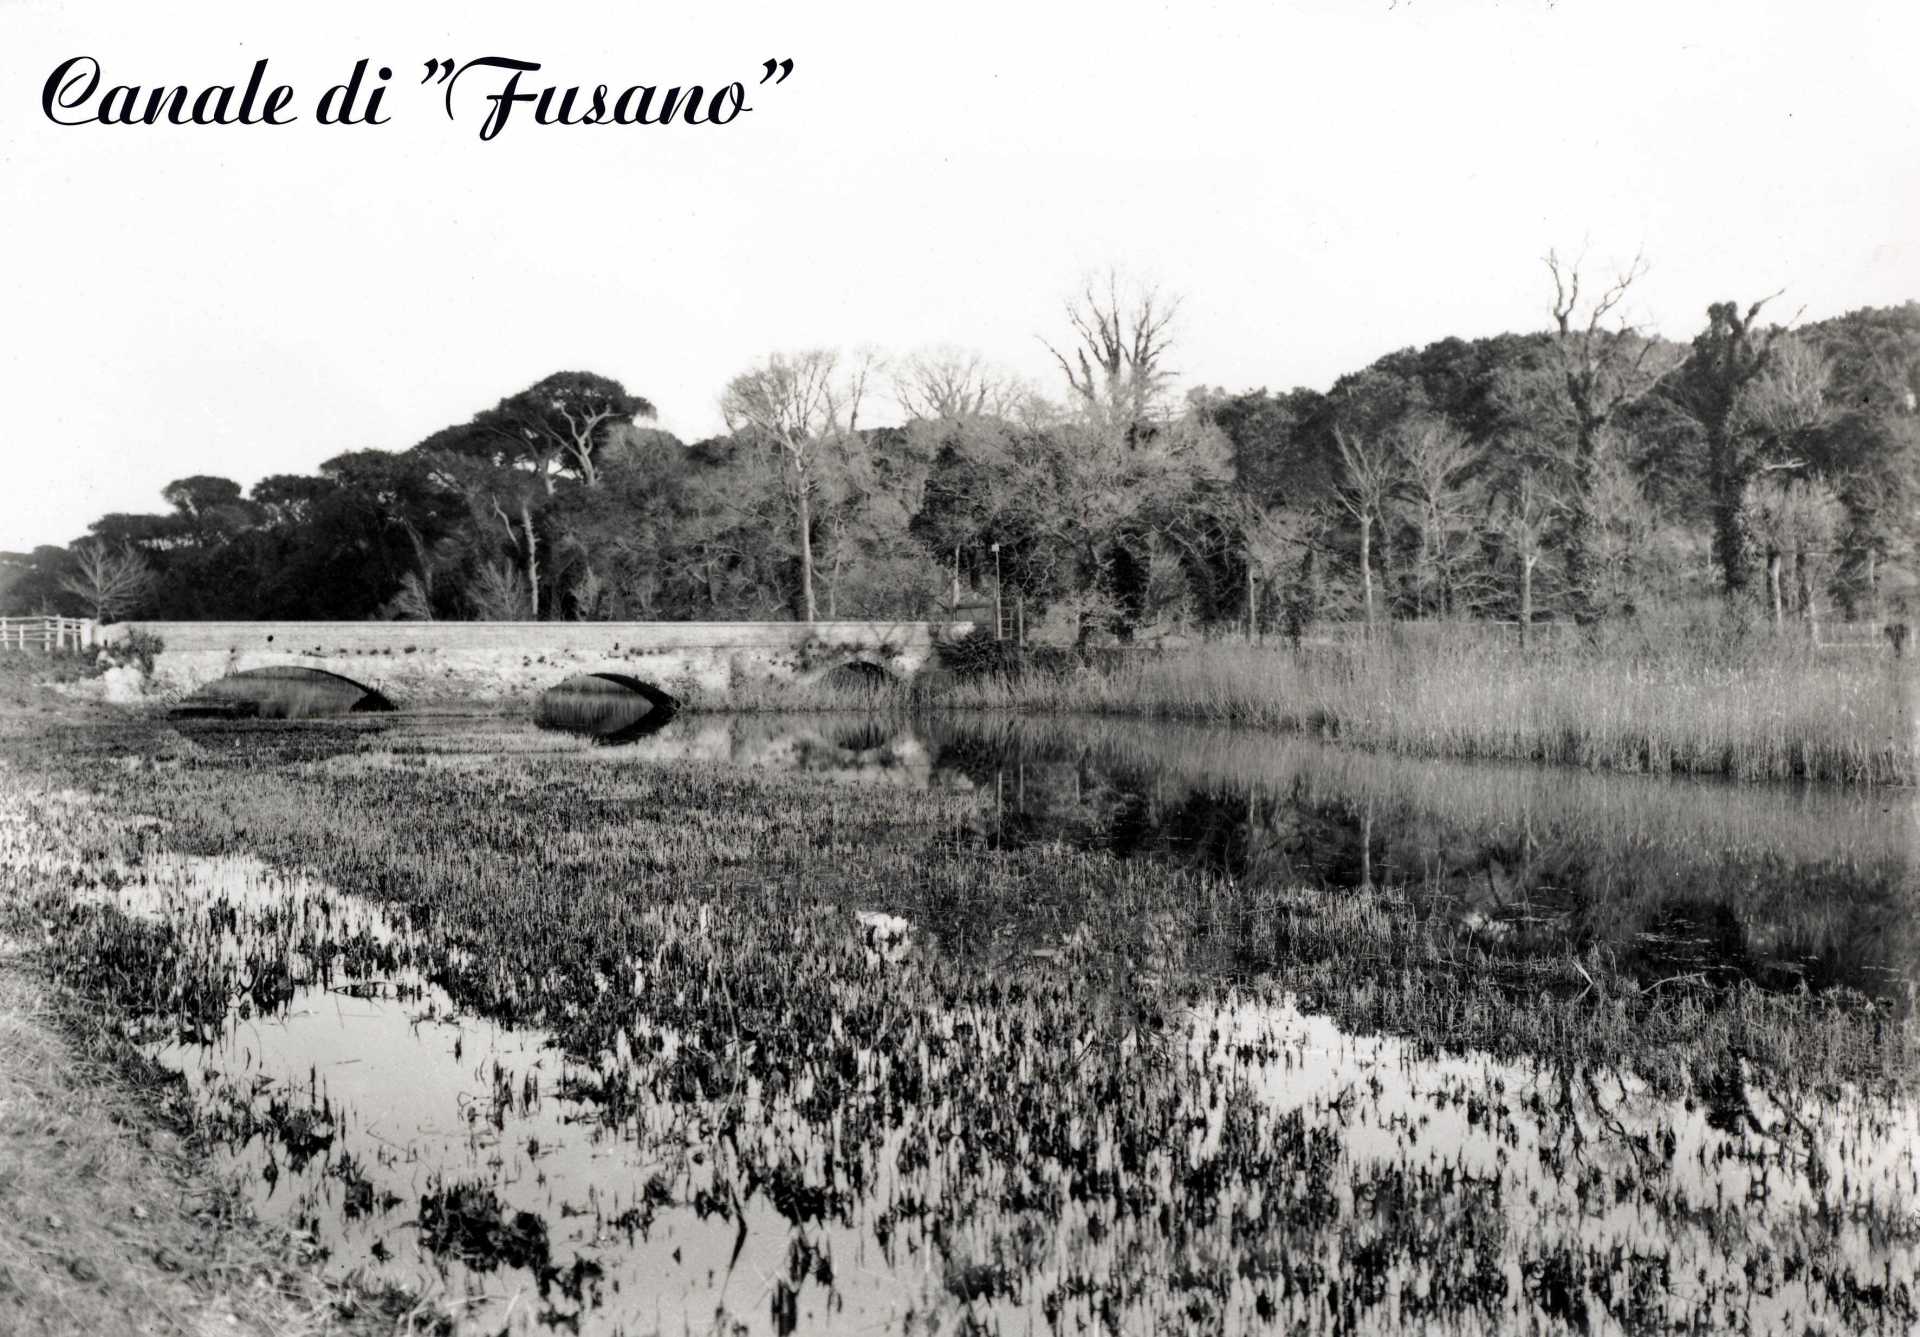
[[1906, 674]]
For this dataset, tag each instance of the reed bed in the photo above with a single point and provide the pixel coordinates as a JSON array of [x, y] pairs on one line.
[[1763, 710]]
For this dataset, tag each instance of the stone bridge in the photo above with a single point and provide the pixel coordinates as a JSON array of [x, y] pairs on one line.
[[445, 663]]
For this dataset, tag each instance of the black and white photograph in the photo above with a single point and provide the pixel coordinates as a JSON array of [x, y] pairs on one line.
[[1036, 670]]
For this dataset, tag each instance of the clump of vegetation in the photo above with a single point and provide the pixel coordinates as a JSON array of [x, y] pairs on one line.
[[981, 655], [467, 1221], [25, 676], [140, 648]]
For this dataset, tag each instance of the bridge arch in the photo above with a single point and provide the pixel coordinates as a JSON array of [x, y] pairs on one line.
[[655, 697], [611, 707], [859, 673], [283, 692]]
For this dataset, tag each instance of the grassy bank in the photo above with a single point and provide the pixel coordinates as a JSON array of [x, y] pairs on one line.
[[112, 1223], [111, 1217], [1707, 698]]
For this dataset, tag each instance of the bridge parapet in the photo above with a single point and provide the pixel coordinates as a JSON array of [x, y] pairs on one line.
[[451, 662]]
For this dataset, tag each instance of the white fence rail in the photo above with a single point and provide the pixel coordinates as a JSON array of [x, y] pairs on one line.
[[46, 633]]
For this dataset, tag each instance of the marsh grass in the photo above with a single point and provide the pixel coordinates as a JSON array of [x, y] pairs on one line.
[[1705, 699], [845, 694]]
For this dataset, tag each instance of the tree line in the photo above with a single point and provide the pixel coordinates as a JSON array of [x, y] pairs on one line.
[[1581, 472]]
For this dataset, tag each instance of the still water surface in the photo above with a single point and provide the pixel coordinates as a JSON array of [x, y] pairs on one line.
[[1785, 885]]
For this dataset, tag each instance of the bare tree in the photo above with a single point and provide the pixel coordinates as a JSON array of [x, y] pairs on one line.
[[532, 548], [1801, 516], [1271, 538], [1780, 408], [1434, 459], [1117, 369], [1605, 365], [1368, 487], [1622, 528], [948, 382], [1521, 518], [590, 597], [801, 405], [496, 594], [414, 601], [112, 581]]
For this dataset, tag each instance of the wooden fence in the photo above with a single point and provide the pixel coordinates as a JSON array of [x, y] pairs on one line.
[[45, 633]]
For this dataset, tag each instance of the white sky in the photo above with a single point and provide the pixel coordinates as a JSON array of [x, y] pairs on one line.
[[1324, 182]]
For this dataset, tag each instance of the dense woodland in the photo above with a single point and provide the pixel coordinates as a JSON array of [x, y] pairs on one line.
[[1577, 473]]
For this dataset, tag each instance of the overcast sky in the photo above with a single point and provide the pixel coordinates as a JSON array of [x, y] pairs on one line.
[[1322, 182]]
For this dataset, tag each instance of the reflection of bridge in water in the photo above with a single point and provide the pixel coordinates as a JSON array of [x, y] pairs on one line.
[[851, 749]]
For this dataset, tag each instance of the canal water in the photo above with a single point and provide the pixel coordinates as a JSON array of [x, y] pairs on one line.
[[1385, 1183]]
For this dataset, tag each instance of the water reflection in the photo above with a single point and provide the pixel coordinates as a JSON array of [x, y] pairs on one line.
[[414, 1140], [1353, 1182], [1686, 882], [851, 749]]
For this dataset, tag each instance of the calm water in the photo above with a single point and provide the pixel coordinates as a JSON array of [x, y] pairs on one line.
[[357, 1109], [1785, 885]]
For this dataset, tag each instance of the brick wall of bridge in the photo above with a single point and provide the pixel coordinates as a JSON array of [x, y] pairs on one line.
[[449, 663]]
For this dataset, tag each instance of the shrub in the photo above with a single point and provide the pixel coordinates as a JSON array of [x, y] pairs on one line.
[[140, 647], [979, 654]]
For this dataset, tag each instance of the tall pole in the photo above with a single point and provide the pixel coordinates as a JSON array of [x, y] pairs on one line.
[[1252, 628], [999, 624]]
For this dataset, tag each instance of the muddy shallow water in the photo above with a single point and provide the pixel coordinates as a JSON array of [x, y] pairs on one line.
[[1317, 1180]]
